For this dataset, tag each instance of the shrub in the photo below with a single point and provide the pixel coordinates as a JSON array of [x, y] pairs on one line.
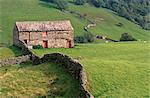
[[86, 38], [61, 4], [79, 39], [37, 47], [147, 26], [98, 3], [79, 2], [127, 37]]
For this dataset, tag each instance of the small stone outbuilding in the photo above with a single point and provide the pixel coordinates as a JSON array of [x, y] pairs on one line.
[[49, 34]]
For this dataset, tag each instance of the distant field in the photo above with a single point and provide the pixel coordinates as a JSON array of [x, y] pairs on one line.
[[29, 10], [25, 80], [116, 70]]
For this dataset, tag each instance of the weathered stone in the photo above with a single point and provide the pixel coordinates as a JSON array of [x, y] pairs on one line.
[[71, 66], [15, 60], [49, 34]]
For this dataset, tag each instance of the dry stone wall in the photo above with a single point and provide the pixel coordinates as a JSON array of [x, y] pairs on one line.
[[15, 60], [71, 66], [27, 55]]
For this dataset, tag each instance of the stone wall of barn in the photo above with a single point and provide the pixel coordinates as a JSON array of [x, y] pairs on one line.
[[56, 39], [15, 36]]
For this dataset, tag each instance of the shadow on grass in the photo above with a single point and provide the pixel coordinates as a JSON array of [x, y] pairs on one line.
[[17, 51]]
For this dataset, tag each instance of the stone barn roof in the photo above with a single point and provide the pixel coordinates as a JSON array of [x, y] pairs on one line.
[[44, 26]]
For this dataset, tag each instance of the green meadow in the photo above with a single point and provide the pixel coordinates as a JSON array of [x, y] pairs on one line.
[[26, 81], [36, 10], [115, 70], [9, 52]]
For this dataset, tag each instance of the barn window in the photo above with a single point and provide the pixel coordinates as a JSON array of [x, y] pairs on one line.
[[26, 41]]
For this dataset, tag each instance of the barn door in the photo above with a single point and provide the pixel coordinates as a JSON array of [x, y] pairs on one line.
[[45, 44], [68, 43]]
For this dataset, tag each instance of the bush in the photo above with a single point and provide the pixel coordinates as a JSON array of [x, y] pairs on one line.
[[98, 3], [61, 4], [127, 37], [86, 38], [147, 26], [37, 47], [79, 2]]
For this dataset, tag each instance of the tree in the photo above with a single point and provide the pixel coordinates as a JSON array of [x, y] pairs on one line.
[[86, 38], [127, 37], [115, 5], [147, 26], [61, 4], [80, 2], [98, 3]]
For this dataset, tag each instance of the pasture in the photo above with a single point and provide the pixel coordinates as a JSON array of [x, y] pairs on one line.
[[36, 10], [26, 80], [116, 70]]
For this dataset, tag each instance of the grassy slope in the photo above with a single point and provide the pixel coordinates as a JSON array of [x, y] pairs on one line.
[[116, 70], [20, 10], [33, 81], [107, 25]]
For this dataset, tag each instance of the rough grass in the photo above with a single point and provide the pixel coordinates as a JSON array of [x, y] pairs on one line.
[[34, 81], [106, 23], [8, 52], [115, 70], [28, 10]]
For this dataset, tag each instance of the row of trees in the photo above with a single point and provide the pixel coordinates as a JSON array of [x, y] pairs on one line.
[[136, 11], [61, 4]]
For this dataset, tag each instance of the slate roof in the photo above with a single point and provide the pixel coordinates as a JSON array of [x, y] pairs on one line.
[[44, 25]]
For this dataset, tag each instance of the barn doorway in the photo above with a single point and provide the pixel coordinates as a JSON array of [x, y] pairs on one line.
[[68, 43], [45, 44], [25, 41]]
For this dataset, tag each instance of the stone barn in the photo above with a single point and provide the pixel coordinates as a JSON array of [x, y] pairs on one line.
[[49, 34]]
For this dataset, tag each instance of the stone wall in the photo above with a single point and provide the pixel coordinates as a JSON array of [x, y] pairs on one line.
[[27, 55], [15, 60], [55, 39], [24, 48], [71, 66]]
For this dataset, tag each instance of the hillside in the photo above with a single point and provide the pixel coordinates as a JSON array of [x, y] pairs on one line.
[[116, 70], [21, 10]]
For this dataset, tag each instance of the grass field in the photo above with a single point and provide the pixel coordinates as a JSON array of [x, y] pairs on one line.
[[25, 10], [8, 52], [25, 80], [115, 70], [106, 23], [34, 10]]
